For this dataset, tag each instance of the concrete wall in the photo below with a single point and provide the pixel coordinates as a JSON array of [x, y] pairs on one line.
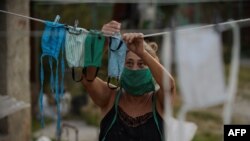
[[15, 67]]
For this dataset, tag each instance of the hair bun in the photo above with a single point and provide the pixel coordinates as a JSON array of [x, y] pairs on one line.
[[153, 45]]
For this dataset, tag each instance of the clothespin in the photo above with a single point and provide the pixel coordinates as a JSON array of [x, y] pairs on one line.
[[117, 34], [76, 24], [216, 20], [57, 19]]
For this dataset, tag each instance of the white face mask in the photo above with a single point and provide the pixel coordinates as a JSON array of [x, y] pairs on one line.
[[74, 46]]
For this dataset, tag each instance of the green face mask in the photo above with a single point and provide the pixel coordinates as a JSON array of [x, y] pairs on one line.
[[137, 82]]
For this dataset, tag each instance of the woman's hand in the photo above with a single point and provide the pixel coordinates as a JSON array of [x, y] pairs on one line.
[[111, 28], [134, 42]]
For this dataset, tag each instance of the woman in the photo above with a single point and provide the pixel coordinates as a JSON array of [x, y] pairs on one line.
[[134, 112]]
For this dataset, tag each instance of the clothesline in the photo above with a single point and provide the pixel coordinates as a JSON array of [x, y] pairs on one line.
[[35, 19], [147, 35], [200, 27], [31, 18]]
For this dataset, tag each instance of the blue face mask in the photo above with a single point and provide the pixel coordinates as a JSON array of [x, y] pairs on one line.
[[137, 82], [52, 45], [117, 54]]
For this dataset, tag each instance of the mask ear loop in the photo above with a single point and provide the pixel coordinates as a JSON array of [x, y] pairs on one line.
[[118, 47], [112, 87], [84, 72], [73, 76]]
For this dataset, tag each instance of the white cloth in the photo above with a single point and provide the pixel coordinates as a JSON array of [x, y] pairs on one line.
[[43, 138], [200, 67], [49, 110], [177, 130], [173, 127], [200, 74], [65, 104]]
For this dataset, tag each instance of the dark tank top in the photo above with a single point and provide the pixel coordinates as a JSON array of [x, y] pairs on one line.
[[119, 126]]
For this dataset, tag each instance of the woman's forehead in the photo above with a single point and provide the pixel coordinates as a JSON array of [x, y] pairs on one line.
[[133, 56]]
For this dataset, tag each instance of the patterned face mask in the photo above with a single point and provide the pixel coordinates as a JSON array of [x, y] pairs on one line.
[[74, 47], [52, 45], [116, 53], [94, 44]]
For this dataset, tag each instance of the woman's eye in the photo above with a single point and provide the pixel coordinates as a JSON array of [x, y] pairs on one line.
[[141, 65], [129, 64]]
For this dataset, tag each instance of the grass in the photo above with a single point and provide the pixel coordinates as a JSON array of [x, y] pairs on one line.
[[207, 136], [209, 125]]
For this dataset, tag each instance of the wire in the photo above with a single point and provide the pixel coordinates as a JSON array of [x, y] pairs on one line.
[[34, 19], [146, 35], [42, 21], [201, 27]]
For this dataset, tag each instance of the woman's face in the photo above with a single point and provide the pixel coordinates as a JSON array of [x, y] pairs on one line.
[[134, 62]]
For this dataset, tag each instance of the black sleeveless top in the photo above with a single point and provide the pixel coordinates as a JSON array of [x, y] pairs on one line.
[[118, 126]]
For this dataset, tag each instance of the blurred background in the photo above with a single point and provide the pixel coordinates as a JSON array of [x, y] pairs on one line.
[[20, 50]]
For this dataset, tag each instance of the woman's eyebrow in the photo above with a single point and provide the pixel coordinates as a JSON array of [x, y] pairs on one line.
[[140, 60], [129, 59]]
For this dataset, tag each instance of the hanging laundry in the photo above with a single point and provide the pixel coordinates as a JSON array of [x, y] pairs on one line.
[[52, 44], [94, 45], [200, 67], [201, 74], [173, 134], [116, 57], [74, 48]]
